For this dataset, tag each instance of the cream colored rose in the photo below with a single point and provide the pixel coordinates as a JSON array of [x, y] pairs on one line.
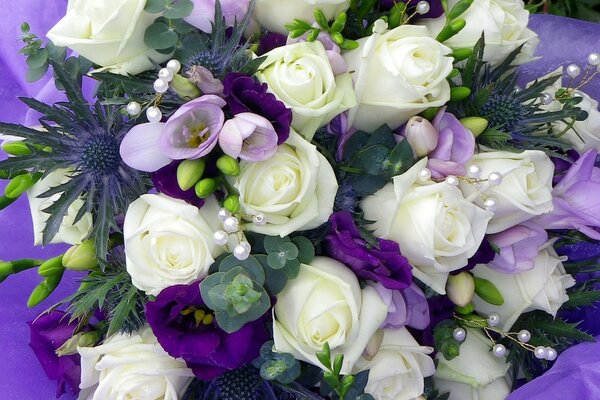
[[397, 365], [109, 33], [132, 367], [169, 242], [295, 189], [476, 374], [503, 22], [437, 229], [68, 232], [301, 76], [397, 74], [273, 15], [525, 191], [541, 288], [326, 304]]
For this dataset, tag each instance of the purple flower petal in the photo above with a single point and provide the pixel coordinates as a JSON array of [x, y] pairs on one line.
[[140, 147]]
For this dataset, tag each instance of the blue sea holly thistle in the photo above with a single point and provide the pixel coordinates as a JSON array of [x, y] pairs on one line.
[[84, 139]]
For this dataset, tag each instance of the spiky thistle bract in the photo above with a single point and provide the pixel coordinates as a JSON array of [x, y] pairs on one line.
[[83, 138]]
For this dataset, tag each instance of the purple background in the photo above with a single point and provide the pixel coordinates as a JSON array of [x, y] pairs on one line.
[[562, 41]]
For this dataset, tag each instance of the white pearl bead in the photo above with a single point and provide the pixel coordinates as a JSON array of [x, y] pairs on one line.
[[241, 252], [246, 245], [499, 350], [490, 204], [165, 74], [223, 214], [594, 59], [424, 175], [161, 86], [474, 171], [221, 238], [231, 224], [524, 336], [153, 114], [452, 180], [495, 179], [423, 7], [133, 108], [551, 354], [540, 352], [573, 70], [259, 219], [546, 98], [459, 334], [518, 89], [493, 319], [174, 66]]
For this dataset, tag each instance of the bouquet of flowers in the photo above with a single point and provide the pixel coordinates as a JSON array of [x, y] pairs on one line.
[[293, 199]]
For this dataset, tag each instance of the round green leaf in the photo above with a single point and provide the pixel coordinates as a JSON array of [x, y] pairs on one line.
[[276, 260], [251, 265], [38, 59], [156, 6], [160, 36], [289, 250], [179, 9]]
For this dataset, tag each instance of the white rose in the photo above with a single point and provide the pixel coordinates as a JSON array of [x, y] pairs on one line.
[[132, 367], [476, 374], [273, 15], [68, 232], [109, 33], [301, 76], [169, 242], [326, 304], [295, 189], [397, 365], [503, 22], [397, 74], [525, 191], [437, 229], [541, 288]]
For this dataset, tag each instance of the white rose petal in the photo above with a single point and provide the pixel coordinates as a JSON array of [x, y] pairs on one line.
[[541, 288], [397, 74], [295, 189], [437, 228], [169, 242], [132, 367], [273, 15], [325, 304], [109, 33]]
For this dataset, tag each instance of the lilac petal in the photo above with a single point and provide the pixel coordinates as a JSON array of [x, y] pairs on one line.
[[140, 147], [582, 170]]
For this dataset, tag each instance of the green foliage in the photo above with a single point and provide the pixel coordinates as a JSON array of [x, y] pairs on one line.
[[273, 366], [300, 27], [444, 339], [588, 10], [431, 393]]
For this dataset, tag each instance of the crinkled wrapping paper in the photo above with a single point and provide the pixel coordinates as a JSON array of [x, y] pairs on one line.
[[575, 376]]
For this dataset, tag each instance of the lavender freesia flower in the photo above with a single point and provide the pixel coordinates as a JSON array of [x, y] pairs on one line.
[[576, 199], [140, 147], [185, 328], [384, 264], [249, 137], [47, 333], [406, 307], [455, 147], [244, 94], [518, 247], [192, 131], [421, 135]]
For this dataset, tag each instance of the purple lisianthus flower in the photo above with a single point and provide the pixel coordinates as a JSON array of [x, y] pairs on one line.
[[384, 264], [406, 307], [270, 41], [179, 319], [193, 130], [435, 7], [576, 199], [244, 94], [455, 146], [518, 246], [249, 137], [165, 181], [47, 333]]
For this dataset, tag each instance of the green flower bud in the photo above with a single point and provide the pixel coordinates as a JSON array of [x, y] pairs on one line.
[[459, 9], [81, 257], [488, 292], [462, 54], [82, 339], [340, 22], [477, 125], [228, 165], [184, 88], [460, 288], [189, 173], [459, 93], [6, 201], [205, 187], [52, 267], [450, 30], [468, 309], [16, 149], [337, 38], [19, 184], [43, 290], [320, 18], [232, 203]]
